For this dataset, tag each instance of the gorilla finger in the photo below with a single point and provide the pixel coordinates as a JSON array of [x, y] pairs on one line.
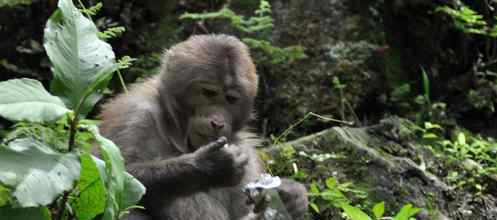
[[216, 145], [241, 160]]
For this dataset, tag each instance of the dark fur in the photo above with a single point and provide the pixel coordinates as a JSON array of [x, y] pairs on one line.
[[187, 176]]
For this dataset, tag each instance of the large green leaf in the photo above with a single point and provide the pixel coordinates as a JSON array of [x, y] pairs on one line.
[[82, 63], [354, 213], [115, 172], [406, 212], [379, 210], [35, 172], [26, 99], [132, 192], [92, 197]]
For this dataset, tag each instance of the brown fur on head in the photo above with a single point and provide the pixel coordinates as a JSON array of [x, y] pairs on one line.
[[208, 86]]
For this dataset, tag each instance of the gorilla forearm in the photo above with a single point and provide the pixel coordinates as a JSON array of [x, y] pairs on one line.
[[168, 176]]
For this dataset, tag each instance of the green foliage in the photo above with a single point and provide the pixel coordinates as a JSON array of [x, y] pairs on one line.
[[406, 212], [480, 100], [484, 97], [10, 3], [355, 213], [379, 210], [26, 99], [92, 194], [4, 196], [93, 10], [35, 172], [82, 63], [111, 32], [277, 54], [261, 22], [259, 28], [45, 160], [400, 96], [465, 18], [125, 62], [468, 20], [337, 195], [472, 157], [333, 194]]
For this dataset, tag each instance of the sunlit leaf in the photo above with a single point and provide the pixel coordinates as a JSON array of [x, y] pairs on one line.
[[26, 99], [354, 213], [406, 212], [314, 207], [114, 164], [92, 198], [35, 172], [379, 210], [4, 196], [82, 63]]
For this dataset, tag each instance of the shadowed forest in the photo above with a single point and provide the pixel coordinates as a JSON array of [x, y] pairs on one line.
[[381, 109]]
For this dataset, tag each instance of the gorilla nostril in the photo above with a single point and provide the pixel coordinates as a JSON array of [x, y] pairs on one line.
[[217, 125]]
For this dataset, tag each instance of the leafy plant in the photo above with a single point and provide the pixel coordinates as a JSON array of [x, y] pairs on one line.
[[468, 20], [46, 170], [10, 3], [258, 26], [337, 195], [465, 18], [472, 156]]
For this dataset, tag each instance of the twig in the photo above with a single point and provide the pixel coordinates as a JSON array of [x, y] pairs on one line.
[[122, 81]]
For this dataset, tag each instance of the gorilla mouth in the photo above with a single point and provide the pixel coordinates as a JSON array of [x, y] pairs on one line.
[[198, 137], [203, 136]]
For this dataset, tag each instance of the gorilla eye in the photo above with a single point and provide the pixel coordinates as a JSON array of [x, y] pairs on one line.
[[231, 99], [209, 93]]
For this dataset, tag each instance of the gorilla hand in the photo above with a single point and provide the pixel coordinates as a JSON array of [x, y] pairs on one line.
[[221, 166]]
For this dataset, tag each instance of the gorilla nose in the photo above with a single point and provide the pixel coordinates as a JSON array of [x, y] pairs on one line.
[[217, 125]]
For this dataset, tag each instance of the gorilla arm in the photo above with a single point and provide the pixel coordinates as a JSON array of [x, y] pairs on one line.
[[149, 157]]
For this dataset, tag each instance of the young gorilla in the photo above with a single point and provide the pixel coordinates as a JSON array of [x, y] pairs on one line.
[[172, 129]]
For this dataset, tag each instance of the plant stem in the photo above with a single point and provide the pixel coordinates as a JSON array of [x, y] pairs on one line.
[[72, 131], [62, 208], [74, 124], [331, 119], [122, 81], [84, 8]]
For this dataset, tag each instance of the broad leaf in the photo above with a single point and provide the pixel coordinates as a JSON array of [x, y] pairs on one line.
[[354, 213], [314, 207], [36, 173], [92, 198], [4, 196], [38, 213], [406, 212], [82, 63], [114, 164], [379, 210], [26, 99], [133, 189]]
